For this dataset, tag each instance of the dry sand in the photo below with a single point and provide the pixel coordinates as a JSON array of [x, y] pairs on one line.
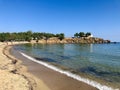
[[13, 75]]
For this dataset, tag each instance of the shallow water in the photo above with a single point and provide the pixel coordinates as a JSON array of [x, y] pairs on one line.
[[101, 61]]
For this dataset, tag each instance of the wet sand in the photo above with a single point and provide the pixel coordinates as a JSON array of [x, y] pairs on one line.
[[53, 79]]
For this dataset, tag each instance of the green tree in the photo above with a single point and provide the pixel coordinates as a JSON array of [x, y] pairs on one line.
[[81, 34], [87, 34], [2, 37], [76, 35], [60, 36], [28, 35]]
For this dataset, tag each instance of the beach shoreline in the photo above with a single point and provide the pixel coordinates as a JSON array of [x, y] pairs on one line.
[[38, 76], [54, 80]]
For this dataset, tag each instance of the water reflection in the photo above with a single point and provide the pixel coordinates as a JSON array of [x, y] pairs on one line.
[[91, 48]]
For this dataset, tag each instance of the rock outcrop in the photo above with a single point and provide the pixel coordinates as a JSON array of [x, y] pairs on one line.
[[83, 40]]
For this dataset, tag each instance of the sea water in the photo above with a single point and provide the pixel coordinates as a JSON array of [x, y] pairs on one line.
[[97, 62]]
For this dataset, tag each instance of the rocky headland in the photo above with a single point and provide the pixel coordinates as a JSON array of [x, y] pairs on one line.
[[82, 40]]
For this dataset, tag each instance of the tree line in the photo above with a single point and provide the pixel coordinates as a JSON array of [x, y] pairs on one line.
[[82, 34], [28, 36]]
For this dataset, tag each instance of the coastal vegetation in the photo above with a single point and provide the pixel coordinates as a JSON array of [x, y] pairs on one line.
[[28, 36], [42, 37], [82, 34]]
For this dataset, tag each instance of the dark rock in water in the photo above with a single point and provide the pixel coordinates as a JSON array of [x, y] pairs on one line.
[[99, 73], [88, 69], [114, 42], [45, 59], [102, 74], [65, 57]]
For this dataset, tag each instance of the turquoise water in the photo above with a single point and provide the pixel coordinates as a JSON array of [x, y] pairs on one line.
[[98, 60]]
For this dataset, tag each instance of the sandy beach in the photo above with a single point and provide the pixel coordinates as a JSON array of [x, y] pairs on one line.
[[19, 73], [13, 75]]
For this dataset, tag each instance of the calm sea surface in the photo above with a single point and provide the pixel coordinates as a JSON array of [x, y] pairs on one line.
[[101, 61]]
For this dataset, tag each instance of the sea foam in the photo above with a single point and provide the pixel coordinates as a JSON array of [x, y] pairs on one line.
[[69, 74]]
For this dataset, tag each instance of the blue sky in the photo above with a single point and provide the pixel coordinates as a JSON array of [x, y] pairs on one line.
[[100, 17]]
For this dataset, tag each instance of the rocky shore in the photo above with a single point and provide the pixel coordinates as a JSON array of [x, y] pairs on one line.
[[83, 40]]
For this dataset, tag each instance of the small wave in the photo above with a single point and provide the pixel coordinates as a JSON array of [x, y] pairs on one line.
[[69, 74]]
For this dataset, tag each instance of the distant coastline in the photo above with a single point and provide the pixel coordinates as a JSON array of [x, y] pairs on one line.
[[38, 37]]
